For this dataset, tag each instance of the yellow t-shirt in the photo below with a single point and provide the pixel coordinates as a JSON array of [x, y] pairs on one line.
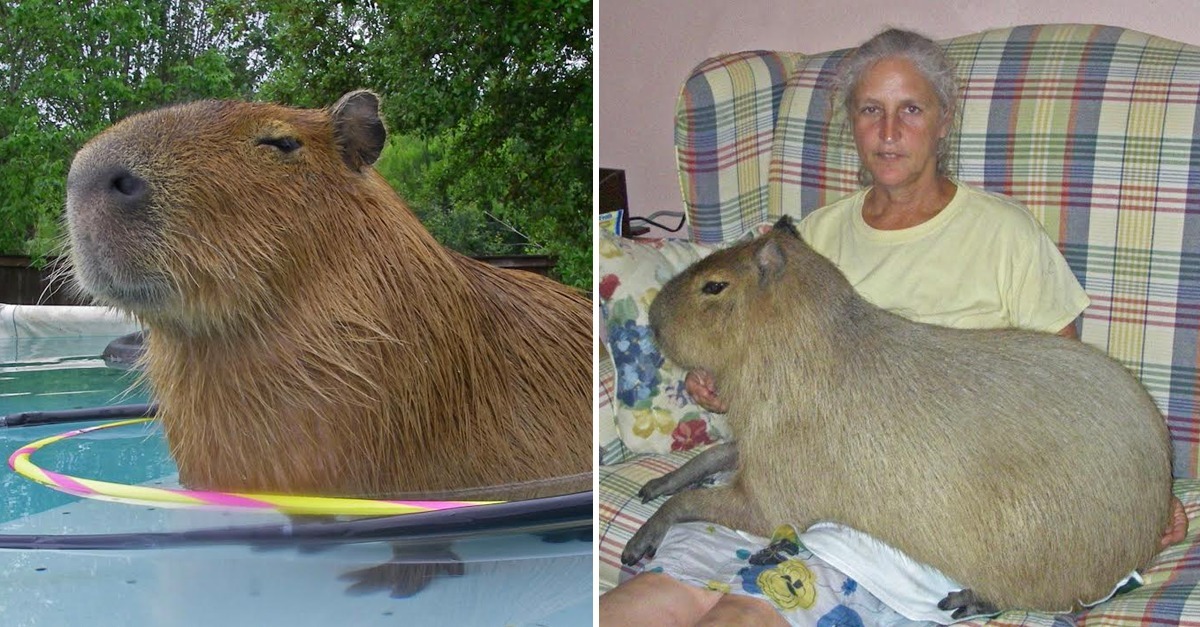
[[982, 262]]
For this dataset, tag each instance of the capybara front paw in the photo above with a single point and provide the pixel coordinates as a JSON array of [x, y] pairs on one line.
[[655, 488], [966, 603], [404, 576], [644, 543], [400, 580]]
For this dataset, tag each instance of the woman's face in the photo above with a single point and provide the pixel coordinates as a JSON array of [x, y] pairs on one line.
[[897, 124]]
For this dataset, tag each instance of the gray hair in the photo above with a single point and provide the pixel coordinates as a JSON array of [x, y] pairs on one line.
[[930, 60]]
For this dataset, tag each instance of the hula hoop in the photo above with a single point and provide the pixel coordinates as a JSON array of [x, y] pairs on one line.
[[180, 498]]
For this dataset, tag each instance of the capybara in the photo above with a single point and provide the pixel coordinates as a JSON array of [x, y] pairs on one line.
[[307, 334], [1029, 467]]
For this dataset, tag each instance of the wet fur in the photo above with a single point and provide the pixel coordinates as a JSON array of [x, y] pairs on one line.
[[307, 334], [1029, 467]]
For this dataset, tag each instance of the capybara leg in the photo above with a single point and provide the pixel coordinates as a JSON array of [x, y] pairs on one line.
[[312, 546], [693, 473], [411, 569], [724, 505], [966, 603]]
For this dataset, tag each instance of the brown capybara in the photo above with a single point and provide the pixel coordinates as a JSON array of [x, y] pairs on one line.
[[1029, 467], [307, 334]]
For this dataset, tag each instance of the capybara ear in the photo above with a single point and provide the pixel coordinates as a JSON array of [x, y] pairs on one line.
[[785, 224], [770, 259], [357, 128]]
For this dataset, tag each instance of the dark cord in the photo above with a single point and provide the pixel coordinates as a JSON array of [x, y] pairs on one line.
[[35, 418], [552, 515], [650, 220]]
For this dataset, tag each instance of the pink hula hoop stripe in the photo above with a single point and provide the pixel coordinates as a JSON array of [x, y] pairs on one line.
[[20, 462]]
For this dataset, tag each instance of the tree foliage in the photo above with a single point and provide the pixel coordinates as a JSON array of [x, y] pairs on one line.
[[489, 102], [415, 168], [69, 69], [507, 86]]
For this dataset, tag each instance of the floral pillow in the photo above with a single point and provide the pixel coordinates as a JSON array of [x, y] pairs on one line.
[[653, 412]]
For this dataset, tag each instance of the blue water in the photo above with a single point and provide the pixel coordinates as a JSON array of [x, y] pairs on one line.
[[122, 455], [513, 579]]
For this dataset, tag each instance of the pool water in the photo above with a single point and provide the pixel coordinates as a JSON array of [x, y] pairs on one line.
[[122, 455], [510, 578]]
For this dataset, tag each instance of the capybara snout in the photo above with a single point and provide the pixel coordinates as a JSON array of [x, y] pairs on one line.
[[711, 291], [723, 294], [112, 184]]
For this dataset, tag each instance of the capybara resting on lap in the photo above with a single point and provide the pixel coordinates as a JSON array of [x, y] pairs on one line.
[[307, 334], [1029, 467]]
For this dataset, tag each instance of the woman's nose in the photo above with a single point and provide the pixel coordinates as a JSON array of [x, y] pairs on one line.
[[888, 129]]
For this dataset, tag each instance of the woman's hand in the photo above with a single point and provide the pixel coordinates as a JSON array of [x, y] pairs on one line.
[[702, 387], [1177, 528]]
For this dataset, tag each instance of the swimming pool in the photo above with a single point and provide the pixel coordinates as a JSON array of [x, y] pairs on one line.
[[510, 578]]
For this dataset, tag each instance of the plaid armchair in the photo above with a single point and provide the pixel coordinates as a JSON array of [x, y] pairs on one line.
[[1094, 128]]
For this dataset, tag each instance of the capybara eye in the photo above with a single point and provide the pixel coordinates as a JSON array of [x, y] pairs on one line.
[[286, 144], [714, 287]]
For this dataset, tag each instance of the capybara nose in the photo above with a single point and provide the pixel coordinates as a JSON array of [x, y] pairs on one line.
[[128, 185], [111, 184], [126, 189]]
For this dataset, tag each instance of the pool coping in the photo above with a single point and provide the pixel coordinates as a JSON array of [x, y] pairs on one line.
[[18, 322]]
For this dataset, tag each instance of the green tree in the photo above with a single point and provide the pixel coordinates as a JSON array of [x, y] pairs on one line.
[[497, 95], [414, 167], [507, 85], [69, 69], [502, 88]]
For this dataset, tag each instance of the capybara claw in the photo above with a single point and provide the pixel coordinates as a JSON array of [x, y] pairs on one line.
[[965, 603]]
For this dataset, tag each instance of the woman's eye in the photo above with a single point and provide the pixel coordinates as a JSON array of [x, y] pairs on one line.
[[714, 287], [285, 144], [912, 109]]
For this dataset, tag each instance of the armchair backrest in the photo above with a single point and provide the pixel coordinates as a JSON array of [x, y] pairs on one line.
[[1094, 128]]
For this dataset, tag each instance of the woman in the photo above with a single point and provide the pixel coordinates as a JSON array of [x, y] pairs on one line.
[[913, 241]]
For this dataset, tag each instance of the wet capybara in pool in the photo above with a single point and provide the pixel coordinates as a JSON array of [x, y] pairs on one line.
[[1028, 467], [307, 334]]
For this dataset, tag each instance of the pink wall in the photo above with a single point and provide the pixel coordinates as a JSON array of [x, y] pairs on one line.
[[647, 48]]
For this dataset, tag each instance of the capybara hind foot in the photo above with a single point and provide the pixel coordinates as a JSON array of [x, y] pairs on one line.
[[966, 603], [777, 552], [406, 574]]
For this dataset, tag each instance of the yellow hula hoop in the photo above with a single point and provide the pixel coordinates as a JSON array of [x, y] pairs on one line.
[[179, 498]]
